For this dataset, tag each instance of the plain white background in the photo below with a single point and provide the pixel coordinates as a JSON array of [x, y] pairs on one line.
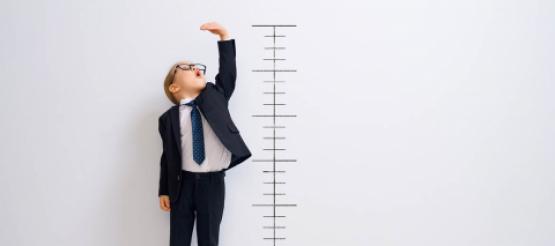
[[419, 122]]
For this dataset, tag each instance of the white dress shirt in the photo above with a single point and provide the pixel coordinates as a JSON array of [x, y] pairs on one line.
[[217, 156]]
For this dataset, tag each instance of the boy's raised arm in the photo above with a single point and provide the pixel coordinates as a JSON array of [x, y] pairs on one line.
[[227, 71]]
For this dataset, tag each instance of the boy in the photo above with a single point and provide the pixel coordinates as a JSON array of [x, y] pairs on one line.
[[200, 143]]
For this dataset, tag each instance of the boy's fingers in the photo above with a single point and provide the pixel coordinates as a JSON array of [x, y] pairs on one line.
[[207, 25], [210, 26]]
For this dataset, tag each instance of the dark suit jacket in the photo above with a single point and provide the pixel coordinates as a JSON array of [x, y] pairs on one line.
[[213, 103]]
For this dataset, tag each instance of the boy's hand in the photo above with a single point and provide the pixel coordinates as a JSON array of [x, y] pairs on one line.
[[215, 28], [165, 203]]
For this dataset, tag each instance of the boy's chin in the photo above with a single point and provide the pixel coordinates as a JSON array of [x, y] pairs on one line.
[[200, 86]]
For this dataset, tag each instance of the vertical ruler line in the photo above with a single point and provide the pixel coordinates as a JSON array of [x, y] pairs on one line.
[[274, 130]]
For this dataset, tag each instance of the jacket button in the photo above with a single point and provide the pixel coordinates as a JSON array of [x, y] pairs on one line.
[[177, 177]]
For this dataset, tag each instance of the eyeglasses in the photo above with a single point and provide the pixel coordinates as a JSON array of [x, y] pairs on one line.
[[198, 66]]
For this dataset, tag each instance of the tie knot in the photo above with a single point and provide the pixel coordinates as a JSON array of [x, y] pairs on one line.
[[191, 103]]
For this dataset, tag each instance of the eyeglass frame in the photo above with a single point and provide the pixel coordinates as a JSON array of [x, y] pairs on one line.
[[190, 66]]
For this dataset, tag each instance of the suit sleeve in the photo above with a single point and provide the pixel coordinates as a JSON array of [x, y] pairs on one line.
[[163, 181], [227, 72]]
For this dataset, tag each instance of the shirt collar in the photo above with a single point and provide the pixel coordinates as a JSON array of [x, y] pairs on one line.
[[186, 100]]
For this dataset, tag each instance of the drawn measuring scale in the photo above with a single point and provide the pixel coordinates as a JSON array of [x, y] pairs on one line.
[[274, 167]]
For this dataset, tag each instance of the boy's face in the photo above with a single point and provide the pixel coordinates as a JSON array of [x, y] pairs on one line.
[[191, 80]]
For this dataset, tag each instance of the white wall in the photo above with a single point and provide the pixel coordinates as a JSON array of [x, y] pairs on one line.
[[420, 122]]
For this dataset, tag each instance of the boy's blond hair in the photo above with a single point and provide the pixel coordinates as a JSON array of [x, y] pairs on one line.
[[169, 79]]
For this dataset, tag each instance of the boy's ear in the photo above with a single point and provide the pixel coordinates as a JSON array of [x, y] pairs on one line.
[[174, 88]]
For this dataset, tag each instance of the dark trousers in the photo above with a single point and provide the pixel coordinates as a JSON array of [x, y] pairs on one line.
[[202, 196]]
